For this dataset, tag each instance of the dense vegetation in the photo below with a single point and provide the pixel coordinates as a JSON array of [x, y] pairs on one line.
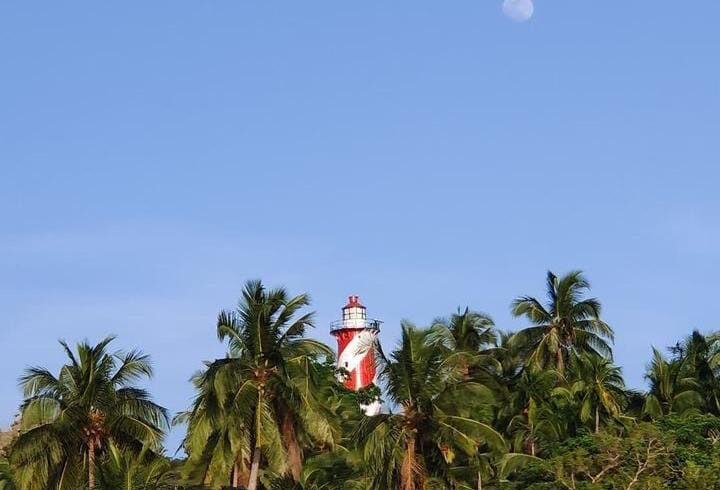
[[468, 407]]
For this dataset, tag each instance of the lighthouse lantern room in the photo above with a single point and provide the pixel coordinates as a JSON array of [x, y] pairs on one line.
[[355, 336]]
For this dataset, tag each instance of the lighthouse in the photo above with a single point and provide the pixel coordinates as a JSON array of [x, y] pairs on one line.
[[355, 336]]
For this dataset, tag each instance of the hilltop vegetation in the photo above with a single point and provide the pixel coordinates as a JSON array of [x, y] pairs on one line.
[[469, 407]]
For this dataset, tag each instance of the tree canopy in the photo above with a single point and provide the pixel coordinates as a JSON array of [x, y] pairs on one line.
[[467, 406]]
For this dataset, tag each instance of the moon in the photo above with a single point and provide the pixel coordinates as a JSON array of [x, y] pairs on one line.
[[519, 10]]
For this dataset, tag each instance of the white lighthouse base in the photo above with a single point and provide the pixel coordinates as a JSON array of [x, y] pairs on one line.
[[372, 409]]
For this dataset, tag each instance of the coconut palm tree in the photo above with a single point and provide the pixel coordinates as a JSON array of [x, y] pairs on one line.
[[488, 469], [697, 355], [534, 428], [671, 389], [334, 470], [467, 330], [600, 387], [123, 470], [533, 410], [568, 323], [267, 400], [218, 434], [471, 337], [69, 421], [435, 428]]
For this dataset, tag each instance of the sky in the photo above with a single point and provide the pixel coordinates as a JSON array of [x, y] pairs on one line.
[[425, 155]]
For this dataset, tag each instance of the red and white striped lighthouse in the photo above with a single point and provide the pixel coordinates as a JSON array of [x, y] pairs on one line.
[[355, 336]]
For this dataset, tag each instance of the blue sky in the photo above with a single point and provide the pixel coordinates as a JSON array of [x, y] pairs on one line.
[[425, 155]]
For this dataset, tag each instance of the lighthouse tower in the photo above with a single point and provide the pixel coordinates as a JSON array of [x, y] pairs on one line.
[[355, 336]]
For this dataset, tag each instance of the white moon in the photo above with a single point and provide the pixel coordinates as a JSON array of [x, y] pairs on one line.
[[519, 10]]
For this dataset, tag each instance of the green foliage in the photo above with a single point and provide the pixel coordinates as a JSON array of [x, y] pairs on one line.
[[124, 470], [70, 420], [468, 407], [567, 324], [7, 481], [261, 407], [673, 452], [436, 429]]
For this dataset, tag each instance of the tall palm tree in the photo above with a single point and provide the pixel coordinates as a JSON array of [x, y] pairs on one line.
[[268, 401], [600, 386], [467, 330], [68, 421], [568, 323], [471, 337], [671, 389], [698, 356], [435, 428], [218, 434]]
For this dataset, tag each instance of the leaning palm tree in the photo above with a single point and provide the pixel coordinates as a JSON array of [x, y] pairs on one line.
[[600, 387], [436, 428], [568, 323], [266, 405], [70, 420]]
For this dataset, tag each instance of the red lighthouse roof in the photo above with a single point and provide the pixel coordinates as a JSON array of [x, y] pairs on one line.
[[353, 302], [354, 317]]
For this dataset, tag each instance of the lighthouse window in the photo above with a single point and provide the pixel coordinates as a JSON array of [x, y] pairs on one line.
[[346, 364]]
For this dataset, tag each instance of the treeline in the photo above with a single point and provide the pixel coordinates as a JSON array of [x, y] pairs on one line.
[[467, 407]]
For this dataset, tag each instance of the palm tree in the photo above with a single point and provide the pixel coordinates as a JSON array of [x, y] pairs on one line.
[[436, 427], [698, 355], [467, 330], [68, 421], [600, 386], [533, 410], [471, 337], [267, 400], [536, 426], [568, 323], [123, 470], [218, 433], [334, 470], [671, 390]]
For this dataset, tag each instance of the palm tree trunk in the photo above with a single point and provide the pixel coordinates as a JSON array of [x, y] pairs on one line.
[[292, 446], [407, 470], [254, 469], [532, 448], [255, 463], [91, 465], [597, 419], [236, 476], [560, 359], [479, 481]]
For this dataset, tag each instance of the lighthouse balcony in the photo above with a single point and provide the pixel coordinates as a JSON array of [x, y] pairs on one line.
[[355, 324]]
